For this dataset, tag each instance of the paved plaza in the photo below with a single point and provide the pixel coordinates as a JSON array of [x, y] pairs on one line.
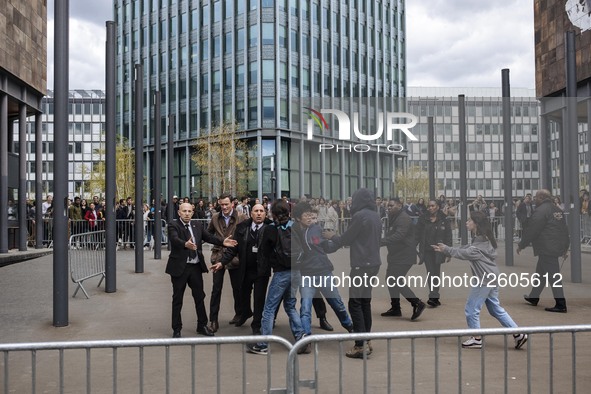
[[141, 309]]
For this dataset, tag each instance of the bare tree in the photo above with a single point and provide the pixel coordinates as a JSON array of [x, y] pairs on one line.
[[124, 170], [222, 158], [412, 182]]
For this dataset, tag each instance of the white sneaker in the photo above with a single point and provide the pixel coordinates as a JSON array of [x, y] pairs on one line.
[[472, 343], [520, 340]]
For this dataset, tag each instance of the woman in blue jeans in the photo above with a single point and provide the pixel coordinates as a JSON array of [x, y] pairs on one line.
[[482, 254]]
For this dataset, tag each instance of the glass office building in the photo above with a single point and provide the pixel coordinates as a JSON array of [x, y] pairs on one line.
[[256, 63]]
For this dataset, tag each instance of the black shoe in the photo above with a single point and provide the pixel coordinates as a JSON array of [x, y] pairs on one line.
[[234, 319], [392, 312], [417, 309], [349, 328], [434, 302], [559, 309], [256, 331], [531, 300], [325, 325], [176, 334], [214, 326], [204, 330], [243, 319]]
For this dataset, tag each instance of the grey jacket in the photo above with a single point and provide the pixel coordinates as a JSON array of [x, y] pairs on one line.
[[481, 255]]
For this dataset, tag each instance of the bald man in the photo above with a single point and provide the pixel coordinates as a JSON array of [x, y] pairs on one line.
[[254, 268], [546, 231], [186, 266]]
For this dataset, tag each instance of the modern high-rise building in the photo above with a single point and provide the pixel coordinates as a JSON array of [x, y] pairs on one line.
[[264, 64], [86, 121], [484, 140]]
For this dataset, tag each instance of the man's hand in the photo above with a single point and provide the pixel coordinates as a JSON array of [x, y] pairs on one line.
[[328, 234], [440, 247], [190, 245], [229, 242], [216, 267]]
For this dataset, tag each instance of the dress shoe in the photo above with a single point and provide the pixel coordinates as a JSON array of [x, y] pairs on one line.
[[392, 312], [417, 309], [234, 319], [434, 302], [176, 334], [243, 319], [204, 330], [531, 300], [559, 309], [325, 325], [214, 326]]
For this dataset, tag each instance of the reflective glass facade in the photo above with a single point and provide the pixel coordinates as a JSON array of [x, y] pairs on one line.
[[248, 61]]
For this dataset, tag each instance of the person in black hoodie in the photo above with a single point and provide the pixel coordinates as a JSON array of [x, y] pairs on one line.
[[363, 237], [433, 228], [402, 255]]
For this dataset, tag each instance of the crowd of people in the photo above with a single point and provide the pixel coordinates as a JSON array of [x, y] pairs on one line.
[[278, 253]]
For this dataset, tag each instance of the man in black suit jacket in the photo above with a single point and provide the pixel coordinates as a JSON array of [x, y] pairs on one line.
[[186, 265]]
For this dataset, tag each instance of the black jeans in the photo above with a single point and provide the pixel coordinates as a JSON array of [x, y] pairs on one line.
[[433, 269], [360, 300]]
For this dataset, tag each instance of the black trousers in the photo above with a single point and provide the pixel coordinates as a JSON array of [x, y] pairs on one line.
[[433, 269], [216, 292], [395, 271], [360, 301], [548, 270], [257, 286], [193, 277]]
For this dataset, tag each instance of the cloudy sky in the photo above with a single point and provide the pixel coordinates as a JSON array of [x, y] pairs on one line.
[[450, 43]]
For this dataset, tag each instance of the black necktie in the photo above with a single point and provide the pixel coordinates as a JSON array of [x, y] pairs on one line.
[[192, 253], [255, 233]]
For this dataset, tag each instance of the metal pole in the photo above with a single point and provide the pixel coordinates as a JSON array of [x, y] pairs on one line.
[[139, 169], [170, 167], [431, 155], [157, 178], [463, 180], [22, 177], [110, 164], [3, 168], [545, 170], [38, 182], [507, 175], [572, 138], [60, 180]]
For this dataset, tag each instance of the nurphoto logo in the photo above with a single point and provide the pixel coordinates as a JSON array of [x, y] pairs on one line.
[[392, 121]]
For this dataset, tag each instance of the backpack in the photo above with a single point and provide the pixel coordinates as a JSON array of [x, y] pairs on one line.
[[283, 245]]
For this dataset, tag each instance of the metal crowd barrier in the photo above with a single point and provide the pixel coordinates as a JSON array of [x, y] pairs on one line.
[[183, 365], [86, 257], [417, 361], [407, 361]]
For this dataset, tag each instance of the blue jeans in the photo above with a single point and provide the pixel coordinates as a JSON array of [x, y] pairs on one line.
[[284, 286], [332, 297], [489, 295]]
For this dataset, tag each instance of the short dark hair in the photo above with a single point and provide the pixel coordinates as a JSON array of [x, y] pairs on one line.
[[224, 196], [300, 208], [280, 211]]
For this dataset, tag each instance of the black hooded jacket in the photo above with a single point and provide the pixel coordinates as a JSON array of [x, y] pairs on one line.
[[364, 231]]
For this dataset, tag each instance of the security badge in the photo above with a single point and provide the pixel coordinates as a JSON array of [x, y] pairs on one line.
[[255, 249]]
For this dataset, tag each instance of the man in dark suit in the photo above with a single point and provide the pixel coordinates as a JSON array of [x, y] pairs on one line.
[[186, 265]]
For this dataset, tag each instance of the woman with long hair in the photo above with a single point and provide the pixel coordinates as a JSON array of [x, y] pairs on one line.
[[482, 254]]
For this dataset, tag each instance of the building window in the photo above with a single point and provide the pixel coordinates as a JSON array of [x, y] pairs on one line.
[[283, 73], [228, 9], [282, 36], [268, 70], [253, 109], [253, 35], [205, 49], [216, 46], [268, 4], [217, 11], [228, 44], [295, 76], [253, 72], [228, 78], [240, 75], [240, 111], [205, 15], [240, 39], [268, 34], [215, 86], [204, 83], [253, 4], [240, 7], [293, 7], [268, 108]]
